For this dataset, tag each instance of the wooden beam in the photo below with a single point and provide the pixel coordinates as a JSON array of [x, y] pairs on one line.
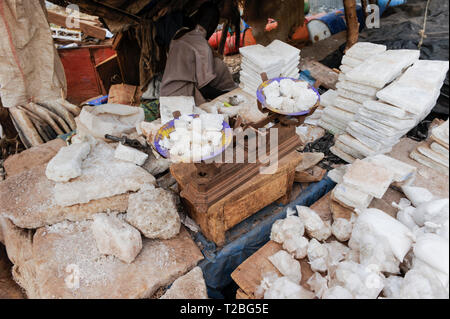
[[86, 28], [105, 11], [352, 23]]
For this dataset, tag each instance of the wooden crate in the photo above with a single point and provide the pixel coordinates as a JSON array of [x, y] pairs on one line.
[[244, 201]]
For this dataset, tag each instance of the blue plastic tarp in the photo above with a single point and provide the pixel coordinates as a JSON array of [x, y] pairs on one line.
[[249, 236]]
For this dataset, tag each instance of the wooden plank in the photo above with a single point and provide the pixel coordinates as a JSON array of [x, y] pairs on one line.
[[109, 72], [240, 295], [86, 28], [326, 76]]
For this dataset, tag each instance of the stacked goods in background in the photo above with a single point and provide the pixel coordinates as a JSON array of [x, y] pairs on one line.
[[434, 152], [278, 59], [380, 124]]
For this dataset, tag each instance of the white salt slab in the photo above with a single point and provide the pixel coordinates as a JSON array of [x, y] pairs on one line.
[[342, 155], [387, 109], [357, 154], [372, 144], [387, 120], [356, 144], [351, 62], [286, 51], [261, 56], [360, 98], [328, 98], [369, 177], [441, 133], [345, 68], [427, 72], [335, 122], [351, 196], [440, 149], [383, 129], [383, 68], [375, 135], [342, 77], [256, 71], [401, 170], [422, 159], [357, 88], [364, 50], [339, 115], [330, 127], [170, 104], [412, 99], [435, 156], [347, 104]]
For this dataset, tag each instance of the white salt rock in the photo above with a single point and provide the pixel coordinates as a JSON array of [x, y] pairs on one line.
[[355, 153], [335, 122], [337, 174], [337, 292], [428, 152], [386, 109], [297, 246], [169, 105], [288, 105], [417, 195], [115, 237], [318, 256], [212, 122], [284, 288], [314, 225], [351, 62], [380, 129], [434, 251], [402, 171], [383, 68], [347, 104], [381, 240], [304, 99], [345, 68], [372, 178], [318, 284], [276, 102], [67, 163], [328, 98], [330, 127], [405, 216], [190, 286], [154, 212], [399, 124], [435, 211], [284, 229], [361, 281], [392, 286], [364, 50], [444, 230], [287, 266], [287, 87], [102, 176], [421, 284], [357, 88], [342, 229], [337, 252], [272, 90], [351, 196], [368, 137], [129, 154]]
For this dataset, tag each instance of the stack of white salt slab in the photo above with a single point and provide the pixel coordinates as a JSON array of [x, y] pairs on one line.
[[434, 153], [278, 59], [370, 178], [379, 125], [342, 104]]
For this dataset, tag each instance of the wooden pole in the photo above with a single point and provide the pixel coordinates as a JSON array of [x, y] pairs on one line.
[[352, 23]]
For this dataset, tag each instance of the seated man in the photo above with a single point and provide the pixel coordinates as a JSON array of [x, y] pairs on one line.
[[192, 69]]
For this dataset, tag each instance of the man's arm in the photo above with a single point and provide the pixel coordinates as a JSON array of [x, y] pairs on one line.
[[209, 92]]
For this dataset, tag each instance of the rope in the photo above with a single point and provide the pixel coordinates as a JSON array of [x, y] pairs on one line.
[[422, 32]]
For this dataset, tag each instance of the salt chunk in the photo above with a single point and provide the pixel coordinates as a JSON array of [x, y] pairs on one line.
[[272, 90], [66, 164], [297, 246], [154, 212], [365, 50], [287, 266], [342, 229], [352, 197], [190, 286], [337, 292], [318, 284], [290, 227], [314, 225], [417, 195], [129, 154], [115, 237], [169, 105], [318, 256], [401, 170], [284, 288]]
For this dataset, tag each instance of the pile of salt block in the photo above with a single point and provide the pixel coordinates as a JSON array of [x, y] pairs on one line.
[[278, 59], [369, 255], [380, 124], [341, 105], [434, 152]]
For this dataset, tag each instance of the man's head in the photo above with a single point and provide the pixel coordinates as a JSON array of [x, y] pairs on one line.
[[208, 16]]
